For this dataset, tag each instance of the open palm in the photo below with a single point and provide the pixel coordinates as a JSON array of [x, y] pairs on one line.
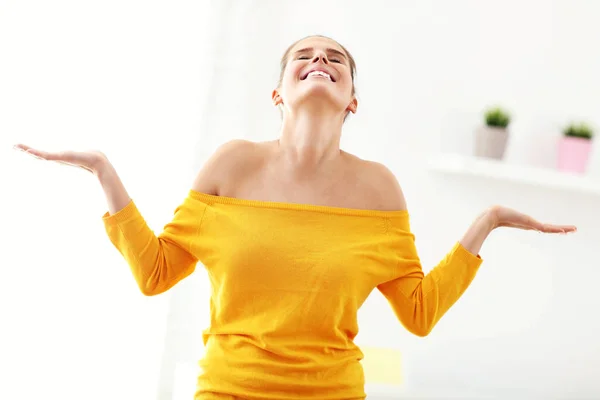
[[506, 217], [88, 160]]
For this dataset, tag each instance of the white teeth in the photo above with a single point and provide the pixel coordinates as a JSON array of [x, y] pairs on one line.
[[321, 73]]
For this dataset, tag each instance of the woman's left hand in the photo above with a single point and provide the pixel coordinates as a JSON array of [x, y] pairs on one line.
[[506, 217]]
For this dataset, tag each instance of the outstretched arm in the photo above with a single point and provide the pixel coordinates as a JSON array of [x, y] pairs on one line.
[[420, 300], [157, 262]]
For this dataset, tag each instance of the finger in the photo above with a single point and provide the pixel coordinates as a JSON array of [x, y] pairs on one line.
[[519, 226], [34, 154], [526, 222], [52, 156], [534, 224], [544, 228], [41, 155], [49, 156], [21, 147], [549, 228], [29, 150]]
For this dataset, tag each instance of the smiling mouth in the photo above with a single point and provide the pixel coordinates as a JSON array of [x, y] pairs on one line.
[[319, 74]]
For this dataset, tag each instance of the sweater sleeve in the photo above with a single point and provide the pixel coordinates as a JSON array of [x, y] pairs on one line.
[[420, 300], [156, 262]]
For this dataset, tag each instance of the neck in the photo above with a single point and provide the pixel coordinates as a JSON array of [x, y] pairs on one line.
[[310, 138]]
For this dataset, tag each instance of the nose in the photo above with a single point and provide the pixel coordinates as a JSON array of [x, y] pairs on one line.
[[320, 56]]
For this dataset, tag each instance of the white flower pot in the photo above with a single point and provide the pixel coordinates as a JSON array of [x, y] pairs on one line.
[[490, 142]]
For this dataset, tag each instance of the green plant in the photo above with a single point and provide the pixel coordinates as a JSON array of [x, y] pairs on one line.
[[497, 117], [581, 130]]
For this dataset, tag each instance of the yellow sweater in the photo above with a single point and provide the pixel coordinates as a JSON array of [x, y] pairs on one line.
[[287, 282]]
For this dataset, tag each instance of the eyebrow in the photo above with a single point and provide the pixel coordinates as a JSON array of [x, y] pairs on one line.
[[334, 51]]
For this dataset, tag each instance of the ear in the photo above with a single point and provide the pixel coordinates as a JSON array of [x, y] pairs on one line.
[[276, 97], [352, 106]]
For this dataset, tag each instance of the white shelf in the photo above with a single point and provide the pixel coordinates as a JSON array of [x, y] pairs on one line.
[[456, 164]]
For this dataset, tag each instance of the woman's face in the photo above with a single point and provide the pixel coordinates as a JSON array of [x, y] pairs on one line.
[[317, 72]]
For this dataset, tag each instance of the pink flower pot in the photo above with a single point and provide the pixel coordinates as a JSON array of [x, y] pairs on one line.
[[573, 154]]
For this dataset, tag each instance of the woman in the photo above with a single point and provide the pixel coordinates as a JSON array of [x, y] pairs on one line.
[[294, 233]]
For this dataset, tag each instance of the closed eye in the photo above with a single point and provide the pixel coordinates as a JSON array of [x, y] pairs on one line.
[[335, 60]]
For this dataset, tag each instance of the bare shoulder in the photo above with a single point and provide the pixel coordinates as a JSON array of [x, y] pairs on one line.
[[229, 159], [380, 184]]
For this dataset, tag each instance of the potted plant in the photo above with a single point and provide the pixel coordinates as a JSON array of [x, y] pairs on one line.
[[491, 139], [574, 148]]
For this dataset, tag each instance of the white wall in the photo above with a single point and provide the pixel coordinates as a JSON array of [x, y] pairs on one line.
[[124, 77], [164, 84]]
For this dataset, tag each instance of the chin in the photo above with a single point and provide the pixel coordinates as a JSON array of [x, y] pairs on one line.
[[320, 96]]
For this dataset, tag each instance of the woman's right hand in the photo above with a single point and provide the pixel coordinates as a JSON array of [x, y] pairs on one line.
[[92, 161], [96, 163]]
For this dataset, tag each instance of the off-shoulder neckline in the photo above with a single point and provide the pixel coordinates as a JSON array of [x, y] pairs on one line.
[[211, 199]]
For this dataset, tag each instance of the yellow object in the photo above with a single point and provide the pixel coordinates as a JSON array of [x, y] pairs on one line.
[[287, 282], [382, 365]]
